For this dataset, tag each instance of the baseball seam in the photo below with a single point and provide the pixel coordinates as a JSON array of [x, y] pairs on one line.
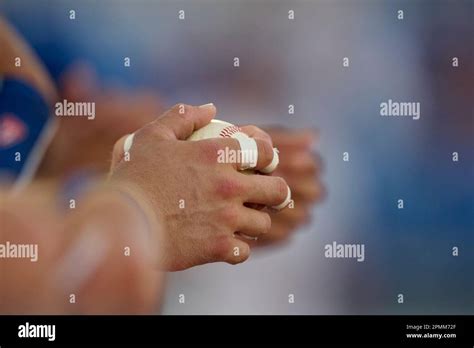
[[229, 131]]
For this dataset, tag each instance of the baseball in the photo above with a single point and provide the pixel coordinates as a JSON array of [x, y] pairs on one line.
[[222, 129]]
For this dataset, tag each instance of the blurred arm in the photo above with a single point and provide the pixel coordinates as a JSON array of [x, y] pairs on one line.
[[12, 46], [100, 252]]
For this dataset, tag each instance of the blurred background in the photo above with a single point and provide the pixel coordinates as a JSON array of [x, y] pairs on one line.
[[300, 62]]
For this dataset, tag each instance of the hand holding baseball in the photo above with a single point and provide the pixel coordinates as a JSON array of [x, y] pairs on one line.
[[201, 201]]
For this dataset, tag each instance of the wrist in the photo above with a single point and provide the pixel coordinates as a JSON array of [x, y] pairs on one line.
[[137, 199]]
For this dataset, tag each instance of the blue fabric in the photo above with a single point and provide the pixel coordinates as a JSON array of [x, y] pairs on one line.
[[26, 113]]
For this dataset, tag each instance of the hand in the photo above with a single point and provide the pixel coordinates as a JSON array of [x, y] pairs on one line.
[[301, 168], [200, 201], [118, 112]]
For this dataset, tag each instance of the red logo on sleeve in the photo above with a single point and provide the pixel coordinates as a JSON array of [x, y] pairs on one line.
[[12, 130]]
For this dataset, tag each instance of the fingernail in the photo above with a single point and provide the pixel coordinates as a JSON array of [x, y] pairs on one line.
[[206, 106]]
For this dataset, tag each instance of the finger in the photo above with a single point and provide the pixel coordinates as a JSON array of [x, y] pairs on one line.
[[293, 138], [182, 120], [256, 133], [292, 218], [298, 161], [284, 225], [239, 252], [254, 222], [279, 234], [268, 190], [242, 157], [307, 189]]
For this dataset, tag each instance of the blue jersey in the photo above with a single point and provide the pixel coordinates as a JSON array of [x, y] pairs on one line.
[[25, 130]]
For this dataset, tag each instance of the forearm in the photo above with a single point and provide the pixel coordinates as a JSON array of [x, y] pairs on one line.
[[102, 252], [19, 61]]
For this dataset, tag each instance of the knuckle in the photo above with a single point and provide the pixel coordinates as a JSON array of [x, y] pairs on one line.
[[181, 109], [221, 248], [230, 216], [266, 136], [252, 129], [157, 130], [229, 188], [209, 150]]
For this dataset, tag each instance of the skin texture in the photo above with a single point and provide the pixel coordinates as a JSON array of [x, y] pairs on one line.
[[165, 170], [98, 229]]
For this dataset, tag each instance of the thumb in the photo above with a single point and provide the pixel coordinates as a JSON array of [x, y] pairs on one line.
[[182, 120]]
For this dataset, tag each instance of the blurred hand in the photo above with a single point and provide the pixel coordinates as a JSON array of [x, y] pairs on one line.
[[301, 168], [81, 143], [200, 201]]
